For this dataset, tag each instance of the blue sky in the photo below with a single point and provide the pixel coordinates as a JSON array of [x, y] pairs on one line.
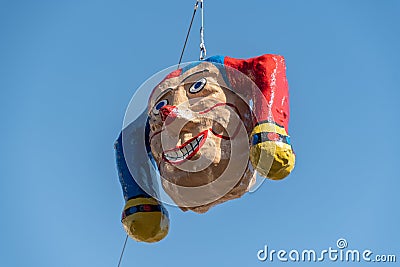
[[69, 68]]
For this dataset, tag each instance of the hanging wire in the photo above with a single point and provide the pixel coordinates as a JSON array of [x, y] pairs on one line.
[[203, 51], [122, 252], [187, 35]]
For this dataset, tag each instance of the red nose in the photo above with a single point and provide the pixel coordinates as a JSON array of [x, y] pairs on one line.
[[168, 111]]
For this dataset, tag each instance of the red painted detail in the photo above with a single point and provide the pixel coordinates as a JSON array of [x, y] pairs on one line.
[[168, 111], [146, 207], [237, 112], [273, 136], [173, 74], [219, 105], [220, 135]]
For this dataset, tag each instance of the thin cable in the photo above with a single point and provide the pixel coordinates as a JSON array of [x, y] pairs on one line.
[[187, 35], [122, 252]]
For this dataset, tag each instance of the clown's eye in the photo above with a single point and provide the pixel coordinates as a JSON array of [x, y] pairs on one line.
[[159, 105], [198, 86]]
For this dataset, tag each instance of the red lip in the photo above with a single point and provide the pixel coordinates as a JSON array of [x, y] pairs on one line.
[[185, 151]]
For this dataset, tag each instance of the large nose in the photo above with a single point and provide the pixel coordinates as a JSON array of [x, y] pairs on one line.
[[168, 111]]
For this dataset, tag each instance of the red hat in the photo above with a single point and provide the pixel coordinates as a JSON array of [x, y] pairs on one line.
[[268, 72]]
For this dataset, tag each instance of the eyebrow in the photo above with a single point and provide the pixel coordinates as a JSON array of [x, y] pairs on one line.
[[162, 94], [169, 89], [195, 73]]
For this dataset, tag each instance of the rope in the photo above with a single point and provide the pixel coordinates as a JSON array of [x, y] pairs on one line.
[[203, 50], [122, 252], [187, 35]]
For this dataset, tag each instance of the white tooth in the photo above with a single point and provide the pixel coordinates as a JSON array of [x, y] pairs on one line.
[[185, 151], [195, 144], [179, 154]]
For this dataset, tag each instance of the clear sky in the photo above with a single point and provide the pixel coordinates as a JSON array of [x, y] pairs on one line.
[[69, 68]]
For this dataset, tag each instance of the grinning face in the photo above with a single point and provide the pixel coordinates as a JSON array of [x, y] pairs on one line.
[[199, 133]]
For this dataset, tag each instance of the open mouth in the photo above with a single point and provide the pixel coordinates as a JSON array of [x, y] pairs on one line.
[[187, 150]]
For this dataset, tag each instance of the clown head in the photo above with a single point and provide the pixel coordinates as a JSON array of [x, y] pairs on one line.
[[199, 137]]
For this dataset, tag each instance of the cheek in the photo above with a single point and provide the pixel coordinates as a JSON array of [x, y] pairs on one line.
[[215, 149], [244, 111], [155, 124], [155, 143], [217, 92], [155, 146], [225, 146]]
